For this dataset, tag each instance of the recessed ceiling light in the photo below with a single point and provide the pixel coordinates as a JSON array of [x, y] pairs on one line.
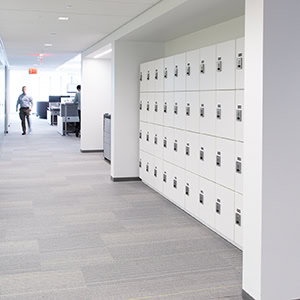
[[69, 6], [63, 18], [53, 33], [48, 45]]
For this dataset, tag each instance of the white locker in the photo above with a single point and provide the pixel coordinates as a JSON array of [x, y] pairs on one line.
[[193, 70], [207, 196], [225, 162], [158, 108], [149, 168], [168, 144], [168, 109], [238, 220], [149, 139], [192, 194], [158, 139], [239, 167], [142, 170], [169, 74], [150, 108], [167, 179], [179, 110], [158, 174], [225, 66], [240, 63], [208, 112], [142, 135], [208, 68], [192, 152], [224, 212], [178, 185], [179, 72], [159, 75], [192, 112], [239, 115], [143, 107], [225, 114], [207, 157], [143, 77], [179, 148], [150, 76]]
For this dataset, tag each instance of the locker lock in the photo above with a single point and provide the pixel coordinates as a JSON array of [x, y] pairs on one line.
[[202, 154], [155, 172], [218, 159], [175, 145], [188, 110], [239, 61], [219, 64], [202, 67], [238, 165], [202, 111], [176, 71], [141, 76], [188, 69], [238, 217], [187, 149], [219, 111], [147, 167], [165, 107], [140, 135], [218, 206], [187, 189], [148, 106], [140, 163], [156, 107], [175, 183], [156, 74], [239, 113], [147, 137], [165, 177], [148, 75], [176, 108], [201, 197], [165, 142], [155, 139], [141, 105], [166, 73]]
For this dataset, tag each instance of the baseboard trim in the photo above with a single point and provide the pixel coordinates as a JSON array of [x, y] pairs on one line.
[[91, 151], [246, 296], [124, 179]]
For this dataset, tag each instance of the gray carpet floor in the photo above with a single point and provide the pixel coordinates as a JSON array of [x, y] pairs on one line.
[[67, 232]]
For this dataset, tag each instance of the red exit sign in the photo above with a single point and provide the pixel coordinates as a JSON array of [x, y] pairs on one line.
[[32, 71]]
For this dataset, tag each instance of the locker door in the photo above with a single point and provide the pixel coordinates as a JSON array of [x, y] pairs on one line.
[[239, 167], [178, 181], [159, 108], [143, 107], [207, 157], [168, 144], [208, 112], [238, 220], [240, 61], [193, 70], [225, 212], [239, 115], [142, 166], [158, 174], [169, 74], [226, 66], [192, 194], [143, 77], [158, 139], [192, 152], [192, 112], [225, 114], [150, 108], [142, 135], [179, 72], [179, 148], [179, 110], [168, 109], [208, 68], [225, 162], [167, 180], [150, 76], [207, 195], [149, 144], [150, 160], [159, 75]]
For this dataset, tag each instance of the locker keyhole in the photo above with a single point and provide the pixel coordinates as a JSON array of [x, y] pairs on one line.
[[218, 159], [188, 69], [202, 111], [218, 207], [175, 146], [165, 107], [187, 150], [175, 183], [238, 165], [239, 61], [156, 107], [201, 197], [239, 113], [187, 189], [238, 217], [202, 67], [166, 73], [202, 154], [156, 74], [219, 112], [176, 109], [188, 110], [219, 64], [176, 71]]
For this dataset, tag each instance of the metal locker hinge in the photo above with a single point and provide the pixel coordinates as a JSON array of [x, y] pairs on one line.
[[155, 172], [165, 107], [156, 107], [140, 135], [140, 163], [155, 139], [218, 206], [219, 111], [148, 75], [239, 61], [156, 74], [176, 108], [147, 137], [141, 76], [147, 167], [187, 149], [175, 145], [165, 177], [165, 142], [202, 111], [141, 105], [238, 217], [202, 67], [218, 159], [239, 113], [202, 154], [175, 183], [238, 165], [188, 69], [187, 189], [219, 64], [166, 73], [148, 106], [188, 110], [201, 197], [176, 71]]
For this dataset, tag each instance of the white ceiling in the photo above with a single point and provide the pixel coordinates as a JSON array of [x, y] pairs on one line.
[[26, 25]]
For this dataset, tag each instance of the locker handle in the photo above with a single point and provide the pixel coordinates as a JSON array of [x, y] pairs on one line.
[[188, 69], [202, 111], [165, 107], [238, 219], [202, 155], [239, 113], [187, 190], [202, 67], [201, 197], [155, 172], [156, 107], [175, 183], [218, 160], [140, 163], [148, 75], [175, 146], [238, 165], [218, 207], [155, 139], [147, 167], [147, 137], [176, 71], [219, 112], [141, 105], [165, 142], [148, 106], [187, 150], [165, 177], [176, 109], [140, 134], [166, 73], [188, 110], [141, 76], [239, 61], [219, 64], [156, 74]]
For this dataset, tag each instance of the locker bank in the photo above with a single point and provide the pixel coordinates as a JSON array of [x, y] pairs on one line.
[[203, 97]]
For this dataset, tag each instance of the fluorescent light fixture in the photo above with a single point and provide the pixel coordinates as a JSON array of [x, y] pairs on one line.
[[48, 45], [63, 18], [103, 53]]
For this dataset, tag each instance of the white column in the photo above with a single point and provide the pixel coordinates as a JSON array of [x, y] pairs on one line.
[[271, 260], [127, 57]]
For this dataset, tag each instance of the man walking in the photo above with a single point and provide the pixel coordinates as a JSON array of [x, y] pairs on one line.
[[77, 100], [26, 104]]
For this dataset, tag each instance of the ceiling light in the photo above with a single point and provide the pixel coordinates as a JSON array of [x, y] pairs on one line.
[[53, 33], [103, 53], [63, 18], [48, 45], [69, 6]]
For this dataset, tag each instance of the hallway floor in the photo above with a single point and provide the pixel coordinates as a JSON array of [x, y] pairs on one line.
[[67, 232]]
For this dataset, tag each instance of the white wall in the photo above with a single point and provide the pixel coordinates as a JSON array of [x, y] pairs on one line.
[[95, 101], [222, 32]]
